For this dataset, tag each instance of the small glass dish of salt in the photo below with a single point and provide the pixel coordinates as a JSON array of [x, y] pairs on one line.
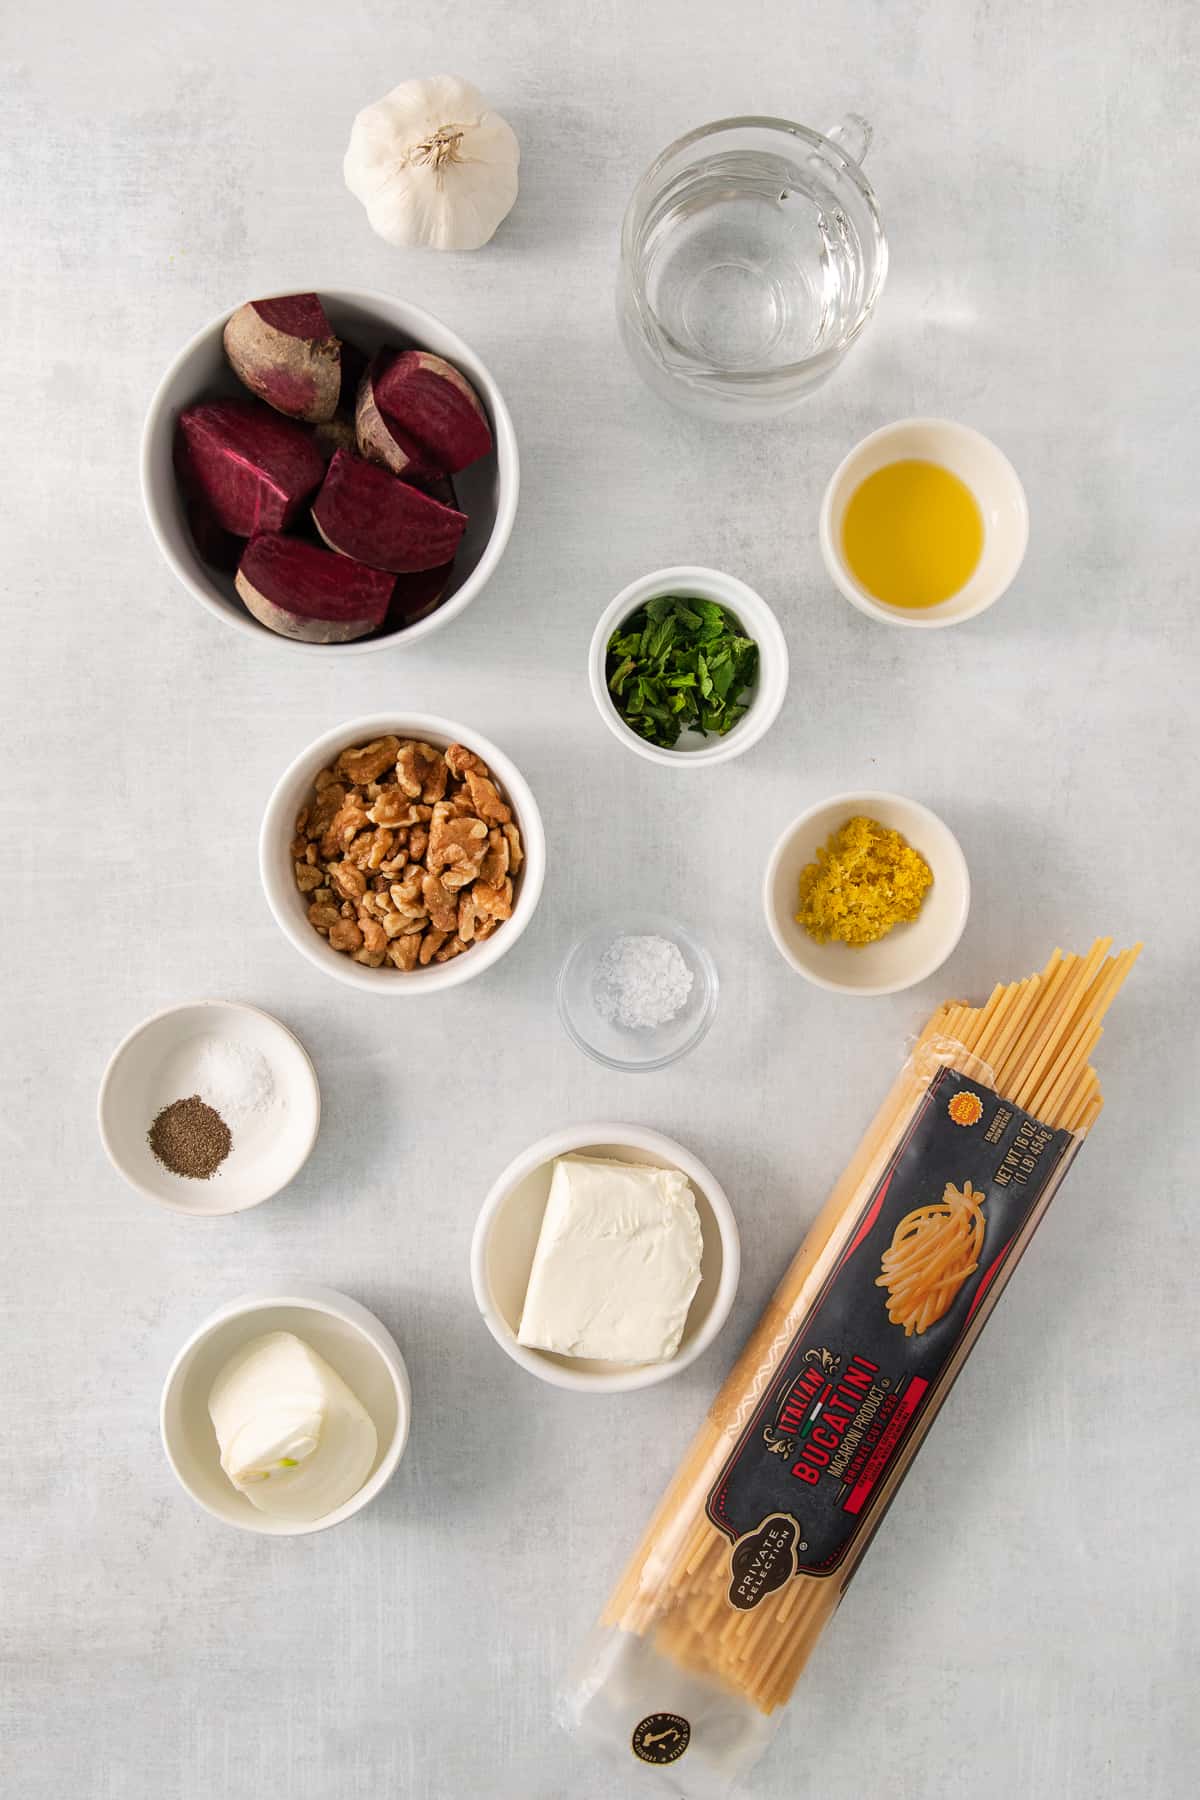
[[638, 992]]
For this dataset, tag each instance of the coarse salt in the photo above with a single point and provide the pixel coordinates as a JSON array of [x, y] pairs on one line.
[[233, 1077], [641, 982]]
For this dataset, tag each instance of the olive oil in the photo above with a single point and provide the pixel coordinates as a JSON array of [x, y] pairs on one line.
[[913, 534]]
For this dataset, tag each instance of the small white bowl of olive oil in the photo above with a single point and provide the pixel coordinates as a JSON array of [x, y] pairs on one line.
[[924, 523]]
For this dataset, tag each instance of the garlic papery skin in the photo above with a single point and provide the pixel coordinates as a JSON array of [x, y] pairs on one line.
[[433, 165]]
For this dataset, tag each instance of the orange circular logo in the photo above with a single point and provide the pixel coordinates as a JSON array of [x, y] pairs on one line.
[[966, 1108]]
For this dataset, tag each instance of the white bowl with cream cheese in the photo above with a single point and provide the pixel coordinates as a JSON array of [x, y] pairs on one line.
[[263, 1415], [505, 1251]]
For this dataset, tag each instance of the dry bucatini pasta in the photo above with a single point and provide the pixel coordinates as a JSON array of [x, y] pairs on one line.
[[804, 1447], [406, 854]]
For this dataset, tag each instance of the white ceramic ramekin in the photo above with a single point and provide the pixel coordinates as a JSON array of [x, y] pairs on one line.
[[351, 1339], [487, 491], [155, 1065], [506, 1236], [991, 478], [909, 953], [290, 907], [758, 622]]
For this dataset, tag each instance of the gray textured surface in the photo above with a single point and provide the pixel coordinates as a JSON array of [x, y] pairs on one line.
[[1028, 1626]]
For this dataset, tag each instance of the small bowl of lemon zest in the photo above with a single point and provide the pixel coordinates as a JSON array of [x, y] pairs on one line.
[[866, 879]]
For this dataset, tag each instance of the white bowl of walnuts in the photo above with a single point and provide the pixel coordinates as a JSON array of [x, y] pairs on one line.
[[402, 853]]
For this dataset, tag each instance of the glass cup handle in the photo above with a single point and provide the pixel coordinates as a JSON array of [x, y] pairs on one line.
[[853, 136]]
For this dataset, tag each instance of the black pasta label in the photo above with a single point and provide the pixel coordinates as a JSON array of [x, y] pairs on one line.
[[873, 1351]]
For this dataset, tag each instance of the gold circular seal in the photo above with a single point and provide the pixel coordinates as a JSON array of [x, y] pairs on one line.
[[966, 1108], [661, 1738]]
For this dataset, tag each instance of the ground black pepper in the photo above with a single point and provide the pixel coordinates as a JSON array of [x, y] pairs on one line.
[[190, 1138]]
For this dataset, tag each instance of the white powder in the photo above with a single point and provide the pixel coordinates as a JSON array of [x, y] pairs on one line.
[[641, 982], [234, 1078]]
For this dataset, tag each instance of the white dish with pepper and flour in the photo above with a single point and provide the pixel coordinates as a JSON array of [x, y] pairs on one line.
[[210, 1107]]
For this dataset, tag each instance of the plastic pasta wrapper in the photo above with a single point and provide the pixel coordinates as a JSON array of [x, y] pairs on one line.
[[753, 1545]]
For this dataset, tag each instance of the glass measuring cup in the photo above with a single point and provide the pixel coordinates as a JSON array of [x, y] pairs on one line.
[[752, 255]]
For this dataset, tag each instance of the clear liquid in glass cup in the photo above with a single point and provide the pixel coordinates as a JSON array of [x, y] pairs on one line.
[[752, 255]]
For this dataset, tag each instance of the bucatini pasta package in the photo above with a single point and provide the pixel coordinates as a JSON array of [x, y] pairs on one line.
[[780, 1494]]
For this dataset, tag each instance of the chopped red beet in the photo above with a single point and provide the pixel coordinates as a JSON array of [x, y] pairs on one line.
[[219, 548], [305, 592], [297, 315], [354, 367], [285, 351], [429, 401], [364, 512], [382, 440], [416, 596], [443, 489], [334, 434], [253, 469]]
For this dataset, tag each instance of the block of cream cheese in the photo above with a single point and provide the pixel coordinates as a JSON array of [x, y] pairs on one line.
[[617, 1263], [293, 1438]]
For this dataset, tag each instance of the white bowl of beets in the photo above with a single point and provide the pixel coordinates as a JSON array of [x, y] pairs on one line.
[[338, 471]]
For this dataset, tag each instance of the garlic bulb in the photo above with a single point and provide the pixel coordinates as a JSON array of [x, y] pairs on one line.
[[433, 165]]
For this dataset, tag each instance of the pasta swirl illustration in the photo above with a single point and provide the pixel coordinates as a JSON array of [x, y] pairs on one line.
[[933, 1251]]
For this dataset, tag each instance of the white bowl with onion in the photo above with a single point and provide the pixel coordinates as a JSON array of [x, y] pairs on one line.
[[506, 1239], [356, 1345]]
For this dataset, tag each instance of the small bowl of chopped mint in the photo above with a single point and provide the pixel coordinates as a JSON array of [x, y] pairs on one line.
[[688, 665]]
